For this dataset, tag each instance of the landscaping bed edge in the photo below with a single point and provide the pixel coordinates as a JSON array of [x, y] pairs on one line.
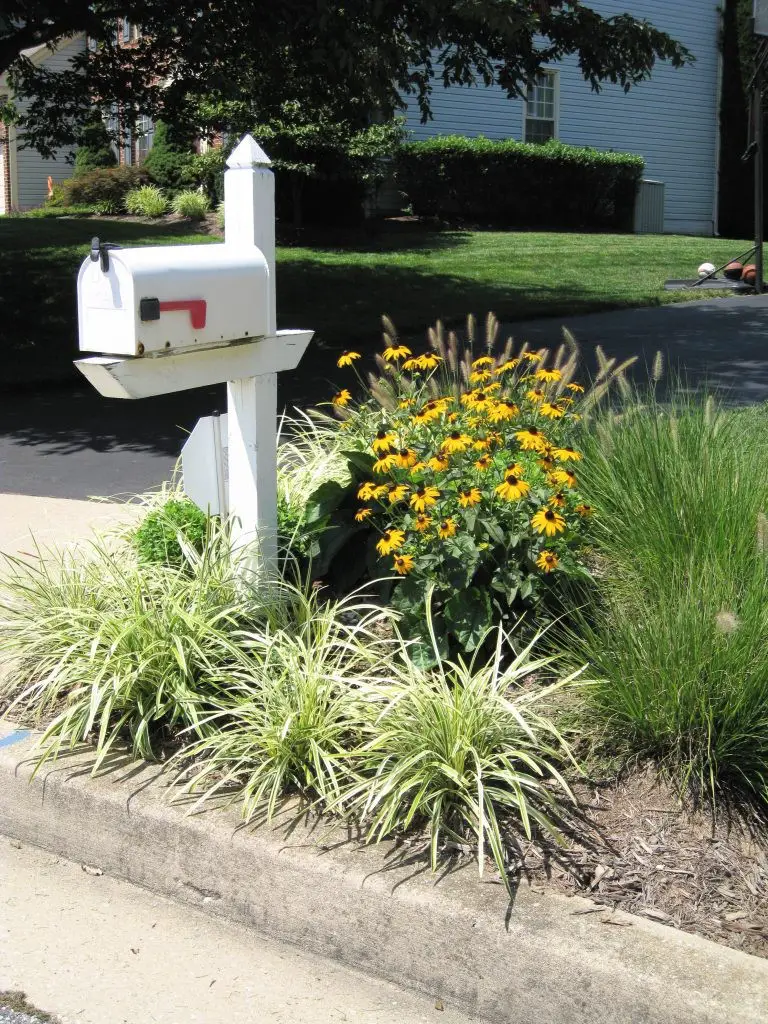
[[452, 936]]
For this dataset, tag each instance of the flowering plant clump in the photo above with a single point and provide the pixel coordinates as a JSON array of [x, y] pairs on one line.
[[473, 487]]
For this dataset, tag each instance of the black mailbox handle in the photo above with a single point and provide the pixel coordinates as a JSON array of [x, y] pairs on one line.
[[100, 251]]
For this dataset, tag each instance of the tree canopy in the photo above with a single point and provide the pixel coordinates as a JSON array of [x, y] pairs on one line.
[[368, 53]]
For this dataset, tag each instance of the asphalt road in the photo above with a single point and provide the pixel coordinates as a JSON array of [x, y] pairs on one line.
[[71, 443]]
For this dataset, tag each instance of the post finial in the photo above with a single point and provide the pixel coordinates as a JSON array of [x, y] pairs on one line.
[[248, 153]]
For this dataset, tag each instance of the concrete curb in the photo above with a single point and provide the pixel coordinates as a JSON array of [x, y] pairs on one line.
[[454, 938]]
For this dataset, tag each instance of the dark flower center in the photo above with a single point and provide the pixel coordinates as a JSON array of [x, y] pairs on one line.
[[533, 431], [381, 435], [511, 479], [549, 515], [455, 435], [404, 453]]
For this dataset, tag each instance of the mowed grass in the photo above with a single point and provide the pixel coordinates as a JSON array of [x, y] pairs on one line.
[[340, 286]]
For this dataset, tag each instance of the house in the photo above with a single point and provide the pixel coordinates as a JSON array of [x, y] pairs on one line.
[[24, 172], [671, 120]]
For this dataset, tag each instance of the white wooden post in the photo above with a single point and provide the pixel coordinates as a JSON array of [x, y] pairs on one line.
[[249, 219]]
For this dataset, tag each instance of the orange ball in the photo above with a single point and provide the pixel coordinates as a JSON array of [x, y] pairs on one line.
[[734, 270], [749, 274]]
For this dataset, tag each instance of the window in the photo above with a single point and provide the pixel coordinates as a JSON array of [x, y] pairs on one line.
[[541, 108], [145, 133]]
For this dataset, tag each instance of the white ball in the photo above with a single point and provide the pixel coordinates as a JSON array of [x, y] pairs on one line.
[[707, 268]]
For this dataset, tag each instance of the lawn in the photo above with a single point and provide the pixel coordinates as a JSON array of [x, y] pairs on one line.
[[341, 287]]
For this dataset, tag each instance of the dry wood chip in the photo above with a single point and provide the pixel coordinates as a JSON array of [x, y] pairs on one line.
[[657, 915]]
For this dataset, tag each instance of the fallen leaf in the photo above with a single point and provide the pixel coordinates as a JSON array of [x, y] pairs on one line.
[[439, 1005]]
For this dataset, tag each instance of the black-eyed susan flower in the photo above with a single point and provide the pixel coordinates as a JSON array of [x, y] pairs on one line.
[[513, 487], [563, 476], [546, 462], [566, 454], [584, 510], [452, 417], [422, 522], [482, 444], [417, 468], [438, 463], [456, 442], [549, 376], [547, 561], [446, 529], [423, 497], [396, 493], [470, 497], [385, 462], [490, 388], [557, 500], [535, 395], [347, 359], [478, 400], [553, 412], [503, 410], [428, 360], [577, 388], [505, 367], [407, 458], [384, 440], [394, 353], [483, 463], [342, 398], [362, 514], [479, 376], [403, 564], [431, 411], [549, 521], [532, 357], [531, 439], [482, 361], [391, 540], [405, 403], [370, 490]]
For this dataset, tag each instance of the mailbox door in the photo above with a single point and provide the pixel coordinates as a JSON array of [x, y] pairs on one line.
[[105, 309]]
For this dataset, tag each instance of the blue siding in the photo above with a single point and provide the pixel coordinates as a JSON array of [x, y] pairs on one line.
[[671, 120]]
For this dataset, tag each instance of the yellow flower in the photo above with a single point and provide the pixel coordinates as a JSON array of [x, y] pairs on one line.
[[532, 357], [347, 358], [491, 387], [482, 361], [395, 352], [563, 476], [557, 500], [431, 411], [535, 395], [391, 540], [554, 412], [482, 444], [438, 462], [422, 523], [584, 510], [479, 376], [456, 442], [411, 364], [343, 398], [476, 399], [506, 367], [428, 361], [403, 564], [417, 468], [452, 417], [396, 493], [550, 376], [385, 462], [547, 561], [424, 497], [566, 454], [407, 458], [546, 463], [483, 463], [503, 411], [575, 387], [363, 514], [548, 521], [446, 529], [383, 440], [531, 439], [469, 497], [371, 490], [405, 403], [513, 487]]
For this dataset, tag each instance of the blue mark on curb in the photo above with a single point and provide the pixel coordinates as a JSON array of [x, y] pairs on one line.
[[15, 737]]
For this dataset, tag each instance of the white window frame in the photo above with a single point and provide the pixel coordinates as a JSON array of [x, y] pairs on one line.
[[555, 76], [143, 133]]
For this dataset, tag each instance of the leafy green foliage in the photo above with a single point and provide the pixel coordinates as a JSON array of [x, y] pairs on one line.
[[104, 189], [520, 184], [159, 537], [206, 170], [169, 159], [94, 148], [146, 201], [678, 634], [191, 204]]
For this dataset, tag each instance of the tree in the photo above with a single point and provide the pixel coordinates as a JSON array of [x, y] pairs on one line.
[[94, 147], [372, 51]]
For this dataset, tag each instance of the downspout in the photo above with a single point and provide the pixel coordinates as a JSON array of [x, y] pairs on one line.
[[719, 94]]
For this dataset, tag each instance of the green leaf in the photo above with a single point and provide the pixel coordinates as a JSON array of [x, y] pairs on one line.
[[361, 463], [469, 617], [323, 501]]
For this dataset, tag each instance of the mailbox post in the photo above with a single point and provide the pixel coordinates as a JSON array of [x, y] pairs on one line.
[[177, 317]]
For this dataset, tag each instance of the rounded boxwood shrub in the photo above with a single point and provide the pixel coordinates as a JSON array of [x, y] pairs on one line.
[[147, 201], [190, 203], [168, 161], [103, 189], [157, 538], [94, 148]]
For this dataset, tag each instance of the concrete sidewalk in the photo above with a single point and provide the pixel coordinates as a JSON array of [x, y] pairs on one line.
[[52, 522]]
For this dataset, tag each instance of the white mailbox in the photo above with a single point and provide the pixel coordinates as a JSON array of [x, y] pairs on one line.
[[163, 299]]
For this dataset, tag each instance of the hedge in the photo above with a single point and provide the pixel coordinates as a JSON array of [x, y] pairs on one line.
[[104, 189], [519, 184]]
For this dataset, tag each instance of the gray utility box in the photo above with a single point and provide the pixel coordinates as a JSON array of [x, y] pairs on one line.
[[649, 208]]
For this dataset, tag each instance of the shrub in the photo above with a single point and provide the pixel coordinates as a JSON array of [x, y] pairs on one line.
[[147, 201], [207, 170], [679, 637], [104, 190], [159, 537], [190, 204], [169, 159], [94, 148], [519, 184], [469, 481], [111, 647]]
